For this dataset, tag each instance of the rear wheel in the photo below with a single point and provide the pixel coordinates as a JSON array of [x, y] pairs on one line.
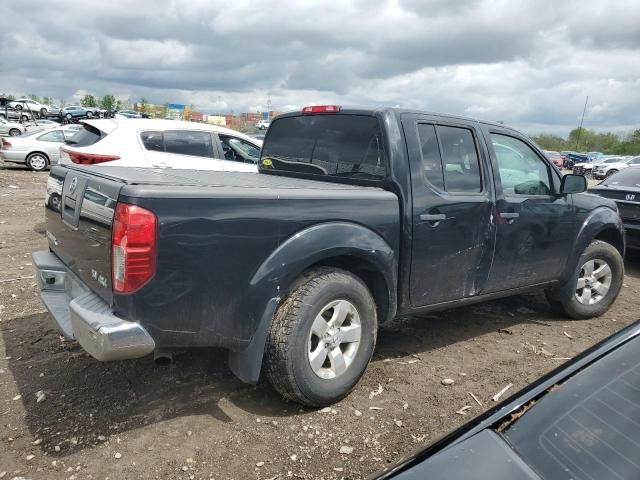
[[37, 162], [43, 112], [599, 280], [89, 114], [321, 338]]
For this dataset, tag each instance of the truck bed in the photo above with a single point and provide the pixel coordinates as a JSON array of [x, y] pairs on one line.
[[216, 230]]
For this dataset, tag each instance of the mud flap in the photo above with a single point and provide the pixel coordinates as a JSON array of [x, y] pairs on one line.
[[247, 363]]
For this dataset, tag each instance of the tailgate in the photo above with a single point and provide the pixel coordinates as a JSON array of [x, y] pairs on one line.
[[80, 209]]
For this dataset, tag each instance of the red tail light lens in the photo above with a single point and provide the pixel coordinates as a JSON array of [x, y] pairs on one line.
[[321, 109], [134, 247], [83, 158], [5, 143]]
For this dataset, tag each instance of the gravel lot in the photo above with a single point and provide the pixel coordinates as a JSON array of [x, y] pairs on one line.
[[193, 419]]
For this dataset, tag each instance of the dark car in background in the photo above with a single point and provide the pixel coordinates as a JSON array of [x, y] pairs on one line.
[[624, 188], [580, 422]]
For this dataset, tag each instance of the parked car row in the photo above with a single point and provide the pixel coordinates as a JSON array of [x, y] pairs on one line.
[[134, 143]]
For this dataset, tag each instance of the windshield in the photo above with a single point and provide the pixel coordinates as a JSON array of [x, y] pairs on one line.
[[629, 177], [326, 145]]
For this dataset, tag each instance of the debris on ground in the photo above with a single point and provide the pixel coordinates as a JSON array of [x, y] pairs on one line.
[[346, 450], [376, 392], [40, 396], [475, 398], [464, 410], [448, 381], [497, 396], [568, 336]]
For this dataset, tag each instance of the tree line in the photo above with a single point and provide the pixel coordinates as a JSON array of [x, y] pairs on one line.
[[585, 140]]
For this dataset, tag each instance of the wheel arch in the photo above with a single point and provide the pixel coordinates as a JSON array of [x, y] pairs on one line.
[[603, 224], [344, 245]]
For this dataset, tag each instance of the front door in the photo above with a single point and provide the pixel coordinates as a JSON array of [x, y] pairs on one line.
[[453, 233], [535, 225]]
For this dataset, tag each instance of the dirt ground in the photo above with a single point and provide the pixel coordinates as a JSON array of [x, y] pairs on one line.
[[193, 419]]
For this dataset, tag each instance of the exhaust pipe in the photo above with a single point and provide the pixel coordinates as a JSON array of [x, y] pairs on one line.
[[163, 357]]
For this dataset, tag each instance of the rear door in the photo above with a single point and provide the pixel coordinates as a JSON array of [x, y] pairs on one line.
[[453, 230], [535, 224], [190, 149]]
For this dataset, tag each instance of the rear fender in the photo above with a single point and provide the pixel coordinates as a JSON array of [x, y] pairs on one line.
[[304, 249]]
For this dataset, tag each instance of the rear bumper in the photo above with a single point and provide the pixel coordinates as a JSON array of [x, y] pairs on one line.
[[80, 314], [9, 156]]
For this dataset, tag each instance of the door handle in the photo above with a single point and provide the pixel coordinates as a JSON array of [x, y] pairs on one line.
[[510, 217], [433, 217]]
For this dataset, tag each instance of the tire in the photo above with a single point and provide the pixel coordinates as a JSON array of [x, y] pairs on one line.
[[14, 132], [89, 114], [37, 162], [55, 202], [43, 112], [598, 254], [292, 341], [68, 116], [18, 107]]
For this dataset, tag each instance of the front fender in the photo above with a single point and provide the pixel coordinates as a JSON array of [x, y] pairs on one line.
[[596, 222], [303, 249]]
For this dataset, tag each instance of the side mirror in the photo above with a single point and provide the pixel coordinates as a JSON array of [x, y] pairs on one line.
[[573, 184]]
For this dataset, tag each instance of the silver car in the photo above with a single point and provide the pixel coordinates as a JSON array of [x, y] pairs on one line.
[[37, 150], [11, 128]]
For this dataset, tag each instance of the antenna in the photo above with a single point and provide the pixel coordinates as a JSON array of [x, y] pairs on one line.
[[581, 121]]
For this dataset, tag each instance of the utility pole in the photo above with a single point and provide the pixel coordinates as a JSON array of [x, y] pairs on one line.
[[581, 121], [269, 107]]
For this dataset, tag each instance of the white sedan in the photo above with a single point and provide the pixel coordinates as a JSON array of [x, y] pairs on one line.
[[161, 144], [607, 169], [37, 150]]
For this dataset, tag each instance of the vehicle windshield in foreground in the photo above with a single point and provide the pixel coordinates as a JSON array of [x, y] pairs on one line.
[[629, 177], [326, 144], [589, 428]]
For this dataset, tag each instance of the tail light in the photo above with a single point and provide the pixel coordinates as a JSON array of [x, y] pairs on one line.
[[84, 158], [134, 247], [5, 143], [321, 109]]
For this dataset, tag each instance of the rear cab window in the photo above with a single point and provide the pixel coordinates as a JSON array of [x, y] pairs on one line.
[[326, 145]]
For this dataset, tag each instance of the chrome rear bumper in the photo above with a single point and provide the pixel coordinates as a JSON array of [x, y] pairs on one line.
[[80, 314]]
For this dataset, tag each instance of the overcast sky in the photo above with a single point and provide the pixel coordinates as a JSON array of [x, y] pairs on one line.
[[528, 63]]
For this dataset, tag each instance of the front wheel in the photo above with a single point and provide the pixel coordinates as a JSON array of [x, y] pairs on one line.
[[321, 338], [599, 280], [611, 172], [14, 132]]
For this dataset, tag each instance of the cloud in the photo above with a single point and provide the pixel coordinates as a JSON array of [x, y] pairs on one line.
[[529, 64]]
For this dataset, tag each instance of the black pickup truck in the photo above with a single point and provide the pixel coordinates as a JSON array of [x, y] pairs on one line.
[[356, 217]]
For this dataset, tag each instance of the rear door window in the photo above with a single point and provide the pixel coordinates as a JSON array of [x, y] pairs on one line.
[[54, 136], [430, 151], [347, 146], [460, 160], [181, 142]]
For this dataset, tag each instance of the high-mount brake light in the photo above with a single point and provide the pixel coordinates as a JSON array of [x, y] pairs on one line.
[[134, 247], [321, 109], [83, 158]]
